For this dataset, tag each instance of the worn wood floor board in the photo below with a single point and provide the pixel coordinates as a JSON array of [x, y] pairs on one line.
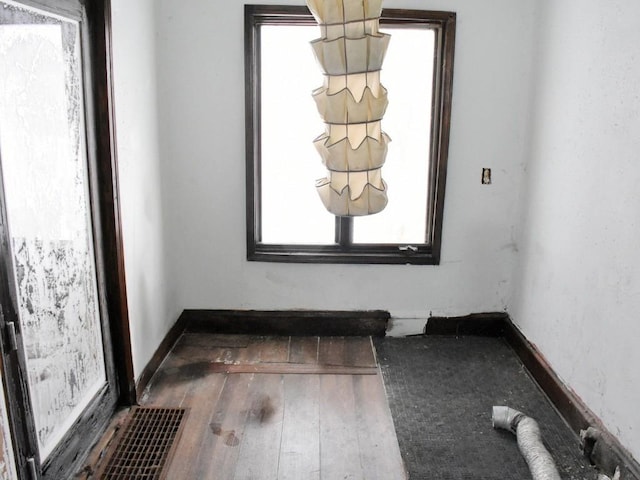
[[260, 446], [168, 394], [171, 383], [358, 352], [289, 368], [221, 445], [179, 383], [304, 350], [299, 456], [378, 447], [213, 340], [175, 379], [207, 347], [200, 401], [193, 354], [165, 393], [339, 447], [274, 350], [331, 351], [255, 350]]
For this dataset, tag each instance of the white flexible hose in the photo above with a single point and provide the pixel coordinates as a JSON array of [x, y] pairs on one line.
[[526, 429]]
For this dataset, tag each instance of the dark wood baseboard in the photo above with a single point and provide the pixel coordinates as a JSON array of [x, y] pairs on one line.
[[568, 404], [481, 324], [159, 355], [288, 322]]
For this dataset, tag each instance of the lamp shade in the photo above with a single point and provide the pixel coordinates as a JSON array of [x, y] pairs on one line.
[[342, 56], [349, 30], [341, 157], [327, 12], [352, 103], [342, 107], [353, 194], [356, 83]]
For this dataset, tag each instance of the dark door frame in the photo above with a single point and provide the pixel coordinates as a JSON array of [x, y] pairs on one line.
[[99, 17], [105, 199]]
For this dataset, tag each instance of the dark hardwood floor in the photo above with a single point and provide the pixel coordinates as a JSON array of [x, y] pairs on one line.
[[282, 408]]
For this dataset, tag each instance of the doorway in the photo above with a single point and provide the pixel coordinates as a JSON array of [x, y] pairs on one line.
[[58, 217]]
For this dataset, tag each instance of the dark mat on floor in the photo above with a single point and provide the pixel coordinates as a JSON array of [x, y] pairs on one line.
[[441, 391]]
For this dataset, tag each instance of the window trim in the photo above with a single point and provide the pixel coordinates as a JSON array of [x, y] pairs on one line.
[[428, 253]]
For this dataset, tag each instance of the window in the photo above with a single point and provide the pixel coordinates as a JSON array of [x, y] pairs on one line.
[[286, 220]]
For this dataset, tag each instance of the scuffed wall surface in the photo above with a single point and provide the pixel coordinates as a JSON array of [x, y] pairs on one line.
[[578, 283]]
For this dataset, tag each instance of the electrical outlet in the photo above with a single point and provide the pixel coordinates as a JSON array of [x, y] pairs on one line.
[[486, 176]]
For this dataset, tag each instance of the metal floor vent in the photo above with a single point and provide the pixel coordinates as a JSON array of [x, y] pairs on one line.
[[145, 444]]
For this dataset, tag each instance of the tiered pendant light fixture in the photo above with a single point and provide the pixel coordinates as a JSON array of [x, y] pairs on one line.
[[352, 103]]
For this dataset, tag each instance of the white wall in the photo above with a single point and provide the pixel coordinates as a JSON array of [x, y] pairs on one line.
[[151, 297], [201, 84], [578, 284]]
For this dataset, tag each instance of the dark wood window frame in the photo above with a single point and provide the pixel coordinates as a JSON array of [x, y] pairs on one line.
[[344, 250]]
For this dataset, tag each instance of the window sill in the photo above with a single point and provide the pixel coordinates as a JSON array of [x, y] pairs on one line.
[[334, 254]]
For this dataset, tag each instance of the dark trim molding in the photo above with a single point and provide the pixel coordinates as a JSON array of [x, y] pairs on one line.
[[159, 355], [480, 324], [287, 322], [576, 414], [99, 16], [574, 411]]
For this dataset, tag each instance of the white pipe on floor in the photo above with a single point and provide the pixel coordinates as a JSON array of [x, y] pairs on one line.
[[616, 475], [526, 429]]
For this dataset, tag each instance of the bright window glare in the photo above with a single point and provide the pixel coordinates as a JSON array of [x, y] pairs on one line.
[[292, 212], [408, 122]]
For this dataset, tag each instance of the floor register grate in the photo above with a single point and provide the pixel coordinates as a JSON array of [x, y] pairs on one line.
[[144, 444]]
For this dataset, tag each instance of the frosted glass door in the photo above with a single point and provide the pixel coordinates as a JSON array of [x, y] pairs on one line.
[[44, 165]]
